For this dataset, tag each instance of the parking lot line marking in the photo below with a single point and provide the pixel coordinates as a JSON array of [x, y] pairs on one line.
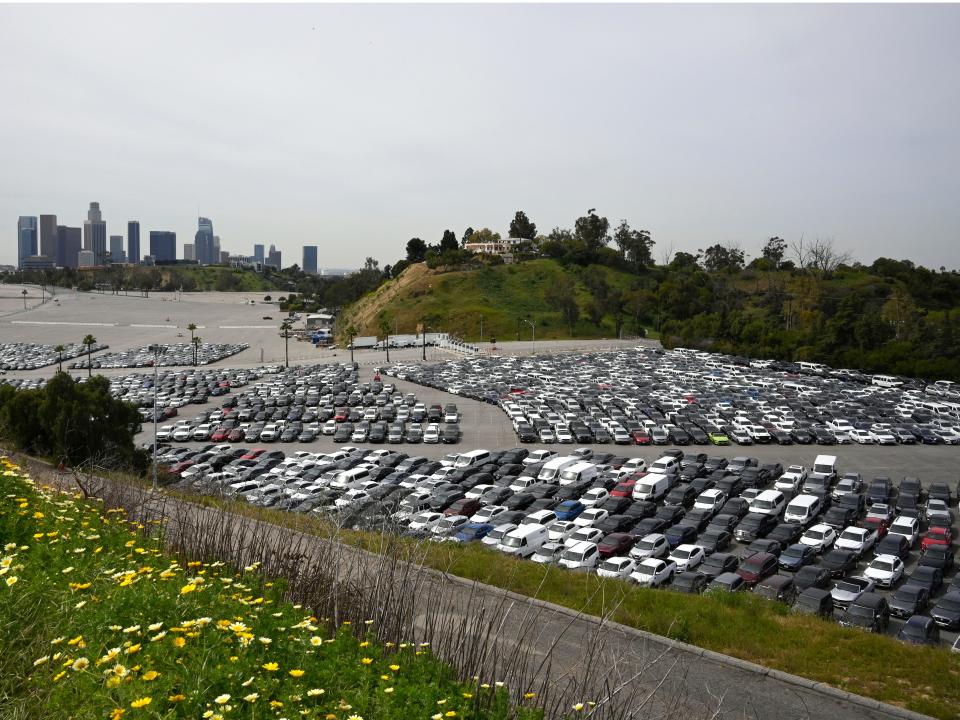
[[152, 326], [246, 327], [61, 322]]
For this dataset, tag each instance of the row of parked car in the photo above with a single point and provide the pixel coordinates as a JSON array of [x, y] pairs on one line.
[[823, 542], [30, 356], [649, 396], [296, 405], [176, 354]]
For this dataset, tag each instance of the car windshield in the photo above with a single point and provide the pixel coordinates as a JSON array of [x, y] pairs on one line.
[[682, 553], [859, 611], [610, 565], [646, 545], [497, 534], [763, 504], [884, 565], [949, 603], [816, 534], [510, 541], [793, 551], [752, 565], [573, 555], [847, 587], [851, 535]]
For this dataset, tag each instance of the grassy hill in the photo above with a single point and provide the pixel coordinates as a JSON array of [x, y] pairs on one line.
[[503, 295]]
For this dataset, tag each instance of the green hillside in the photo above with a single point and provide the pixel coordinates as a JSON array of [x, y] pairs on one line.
[[504, 295]]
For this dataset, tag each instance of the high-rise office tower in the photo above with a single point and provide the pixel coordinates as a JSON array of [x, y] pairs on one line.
[[95, 234], [133, 242], [189, 251], [163, 245], [117, 255], [48, 236], [258, 254], [216, 248], [310, 259], [273, 258], [203, 243], [68, 246], [26, 237]]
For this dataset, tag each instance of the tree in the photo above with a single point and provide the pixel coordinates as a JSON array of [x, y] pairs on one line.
[[634, 245], [561, 295], [351, 332], [484, 235], [722, 258], [773, 252], [383, 322], [89, 341], [416, 250], [192, 327], [466, 236], [818, 256], [521, 227], [592, 230], [58, 349], [286, 334], [449, 241]]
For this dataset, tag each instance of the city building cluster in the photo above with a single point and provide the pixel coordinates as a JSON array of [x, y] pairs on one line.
[[43, 244]]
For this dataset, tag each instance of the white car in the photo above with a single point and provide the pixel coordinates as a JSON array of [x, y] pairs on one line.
[[617, 567], [477, 490], [584, 534], [329, 427], [538, 456], [635, 465], [883, 437], [687, 557], [710, 500], [165, 432], [909, 527], [432, 434], [548, 553], [862, 437], [885, 570], [449, 525], [591, 516], [654, 545], [653, 572], [564, 435], [595, 496], [792, 480], [740, 437], [579, 556], [856, 539], [820, 537], [488, 514], [494, 537], [425, 521], [560, 530]]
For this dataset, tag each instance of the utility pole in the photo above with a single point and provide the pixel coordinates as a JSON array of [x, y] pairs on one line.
[[533, 341]]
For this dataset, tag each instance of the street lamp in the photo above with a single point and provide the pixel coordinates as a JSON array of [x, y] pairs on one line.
[[156, 350], [533, 341], [24, 293]]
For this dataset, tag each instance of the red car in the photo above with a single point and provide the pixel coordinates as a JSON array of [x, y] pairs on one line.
[[624, 489], [341, 415], [220, 434], [180, 467], [615, 544], [757, 567], [936, 536], [878, 524], [236, 435], [463, 506], [641, 437], [253, 454]]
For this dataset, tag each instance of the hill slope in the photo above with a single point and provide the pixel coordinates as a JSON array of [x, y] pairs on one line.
[[504, 295]]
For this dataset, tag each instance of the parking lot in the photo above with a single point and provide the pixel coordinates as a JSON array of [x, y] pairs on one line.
[[171, 355], [33, 356]]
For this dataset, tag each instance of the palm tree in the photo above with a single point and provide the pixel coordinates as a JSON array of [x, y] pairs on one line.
[[59, 351], [286, 334], [384, 325], [192, 327], [89, 341], [351, 331]]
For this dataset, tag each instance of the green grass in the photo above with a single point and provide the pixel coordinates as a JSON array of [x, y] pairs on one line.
[[96, 621], [502, 294], [746, 626]]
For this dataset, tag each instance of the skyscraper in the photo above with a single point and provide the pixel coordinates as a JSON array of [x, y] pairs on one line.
[[133, 242], [26, 237], [95, 234], [258, 254], [273, 258], [68, 246], [163, 246], [189, 251], [48, 236], [203, 243], [310, 259], [117, 255]]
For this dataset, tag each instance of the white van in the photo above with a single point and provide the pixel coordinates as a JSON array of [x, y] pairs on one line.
[[667, 465], [551, 471], [653, 487], [886, 381], [578, 472], [825, 466], [769, 502], [803, 509], [474, 457], [524, 541], [348, 477]]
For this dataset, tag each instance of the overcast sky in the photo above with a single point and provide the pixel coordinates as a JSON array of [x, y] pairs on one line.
[[356, 128]]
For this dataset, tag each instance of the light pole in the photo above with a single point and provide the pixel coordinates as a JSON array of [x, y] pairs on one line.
[[24, 293], [533, 341], [156, 350]]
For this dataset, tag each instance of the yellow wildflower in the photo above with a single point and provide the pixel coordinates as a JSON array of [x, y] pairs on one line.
[[150, 675], [81, 663], [270, 666], [177, 698], [296, 673], [117, 713], [189, 588], [222, 699], [141, 702], [314, 692], [366, 660], [252, 697]]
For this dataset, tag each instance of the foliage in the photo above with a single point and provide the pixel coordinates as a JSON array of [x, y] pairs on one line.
[[522, 227], [96, 621], [78, 423], [416, 250]]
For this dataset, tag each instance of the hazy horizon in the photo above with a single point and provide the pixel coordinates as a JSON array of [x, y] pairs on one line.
[[355, 128]]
